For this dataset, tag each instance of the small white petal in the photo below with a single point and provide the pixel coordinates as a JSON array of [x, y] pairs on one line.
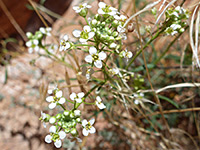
[[87, 28], [92, 50], [52, 129], [77, 112], [92, 130], [84, 122], [50, 91], [100, 11], [88, 6], [75, 8], [65, 37], [102, 4], [36, 42], [91, 35], [52, 120], [85, 132], [98, 64], [130, 54], [62, 134], [49, 99], [30, 50], [88, 58], [36, 48], [48, 139], [28, 44], [80, 95], [98, 99], [92, 121], [59, 94], [44, 125], [62, 100], [79, 100], [102, 55], [83, 40], [52, 105], [72, 96], [42, 29], [58, 143], [76, 33]]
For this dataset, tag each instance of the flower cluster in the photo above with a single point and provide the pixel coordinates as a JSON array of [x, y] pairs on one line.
[[175, 20], [66, 121], [106, 29], [35, 41]]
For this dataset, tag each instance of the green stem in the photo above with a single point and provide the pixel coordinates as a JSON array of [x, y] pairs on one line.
[[62, 106], [140, 51]]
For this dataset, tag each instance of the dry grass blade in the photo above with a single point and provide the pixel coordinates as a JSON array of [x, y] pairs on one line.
[[193, 46], [141, 11], [173, 86], [12, 20], [161, 14]]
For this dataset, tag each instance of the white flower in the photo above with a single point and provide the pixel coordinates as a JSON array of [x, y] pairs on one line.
[[95, 57], [85, 35], [64, 44], [56, 137], [43, 117], [87, 127], [138, 97], [113, 45], [54, 100], [80, 7], [121, 29], [53, 48], [114, 71], [33, 45], [105, 9], [120, 18], [127, 54], [77, 97], [46, 31], [77, 113], [99, 103]]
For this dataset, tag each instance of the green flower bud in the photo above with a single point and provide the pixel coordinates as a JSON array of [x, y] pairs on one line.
[[58, 116], [93, 22], [103, 24], [74, 132], [115, 23], [67, 130], [29, 35], [66, 113], [72, 115], [97, 17], [47, 118], [60, 123], [154, 11], [52, 120], [78, 120], [115, 34], [83, 12]]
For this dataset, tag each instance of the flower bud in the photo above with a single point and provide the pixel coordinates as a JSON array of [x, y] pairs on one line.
[[78, 120], [71, 115], [73, 132], [58, 116], [97, 17], [60, 123], [67, 130], [77, 113], [103, 24], [115, 34], [66, 113], [93, 22], [52, 120], [29, 35], [83, 12], [115, 23]]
